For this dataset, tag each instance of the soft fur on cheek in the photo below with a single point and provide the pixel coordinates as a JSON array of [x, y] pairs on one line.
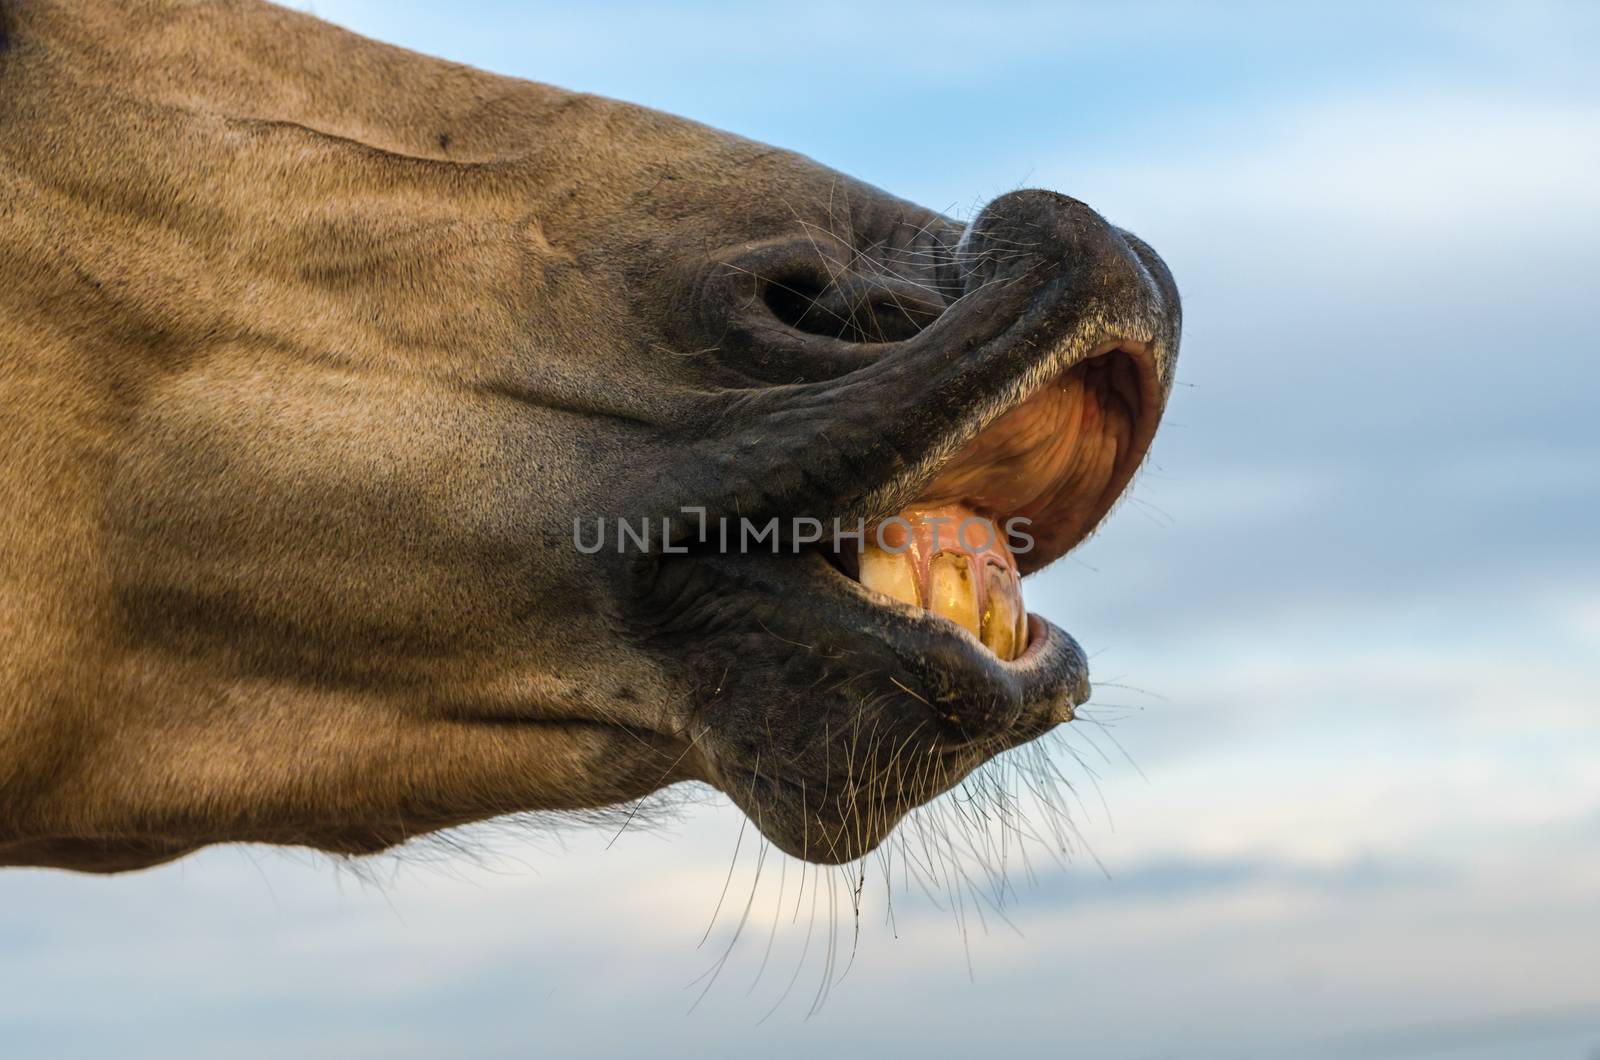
[[307, 399]]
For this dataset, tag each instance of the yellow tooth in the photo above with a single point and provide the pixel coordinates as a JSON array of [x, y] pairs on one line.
[[891, 573], [1021, 642], [1000, 612], [953, 592]]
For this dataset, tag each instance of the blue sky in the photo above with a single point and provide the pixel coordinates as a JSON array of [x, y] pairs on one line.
[[1344, 801]]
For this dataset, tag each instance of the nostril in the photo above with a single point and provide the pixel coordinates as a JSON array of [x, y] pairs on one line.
[[851, 309], [796, 299]]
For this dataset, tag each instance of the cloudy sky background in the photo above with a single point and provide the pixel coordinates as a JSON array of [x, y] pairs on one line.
[[1345, 800]]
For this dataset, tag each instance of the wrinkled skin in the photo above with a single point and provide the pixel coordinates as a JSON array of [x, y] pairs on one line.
[[311, 350]]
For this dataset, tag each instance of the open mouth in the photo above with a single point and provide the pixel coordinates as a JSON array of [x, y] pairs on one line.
[[839, 688], [1017, 497]]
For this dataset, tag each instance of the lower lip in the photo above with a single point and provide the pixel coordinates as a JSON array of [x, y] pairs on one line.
[[1038, 637]]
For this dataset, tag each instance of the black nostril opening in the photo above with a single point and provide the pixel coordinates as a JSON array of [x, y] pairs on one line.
[[796, 300], [852, 312]]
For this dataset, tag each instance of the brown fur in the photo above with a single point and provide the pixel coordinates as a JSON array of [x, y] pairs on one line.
[[252, 260]]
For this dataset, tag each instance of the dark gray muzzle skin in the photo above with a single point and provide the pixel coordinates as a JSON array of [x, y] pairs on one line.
[[828, 715]]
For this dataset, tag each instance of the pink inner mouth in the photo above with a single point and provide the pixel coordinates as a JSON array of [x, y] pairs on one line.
[[1061, 458]]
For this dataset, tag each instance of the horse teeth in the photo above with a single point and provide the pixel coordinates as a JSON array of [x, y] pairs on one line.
[[952, 590], [891, 573], [1003, 605], [1020, 641], [955, 563]]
